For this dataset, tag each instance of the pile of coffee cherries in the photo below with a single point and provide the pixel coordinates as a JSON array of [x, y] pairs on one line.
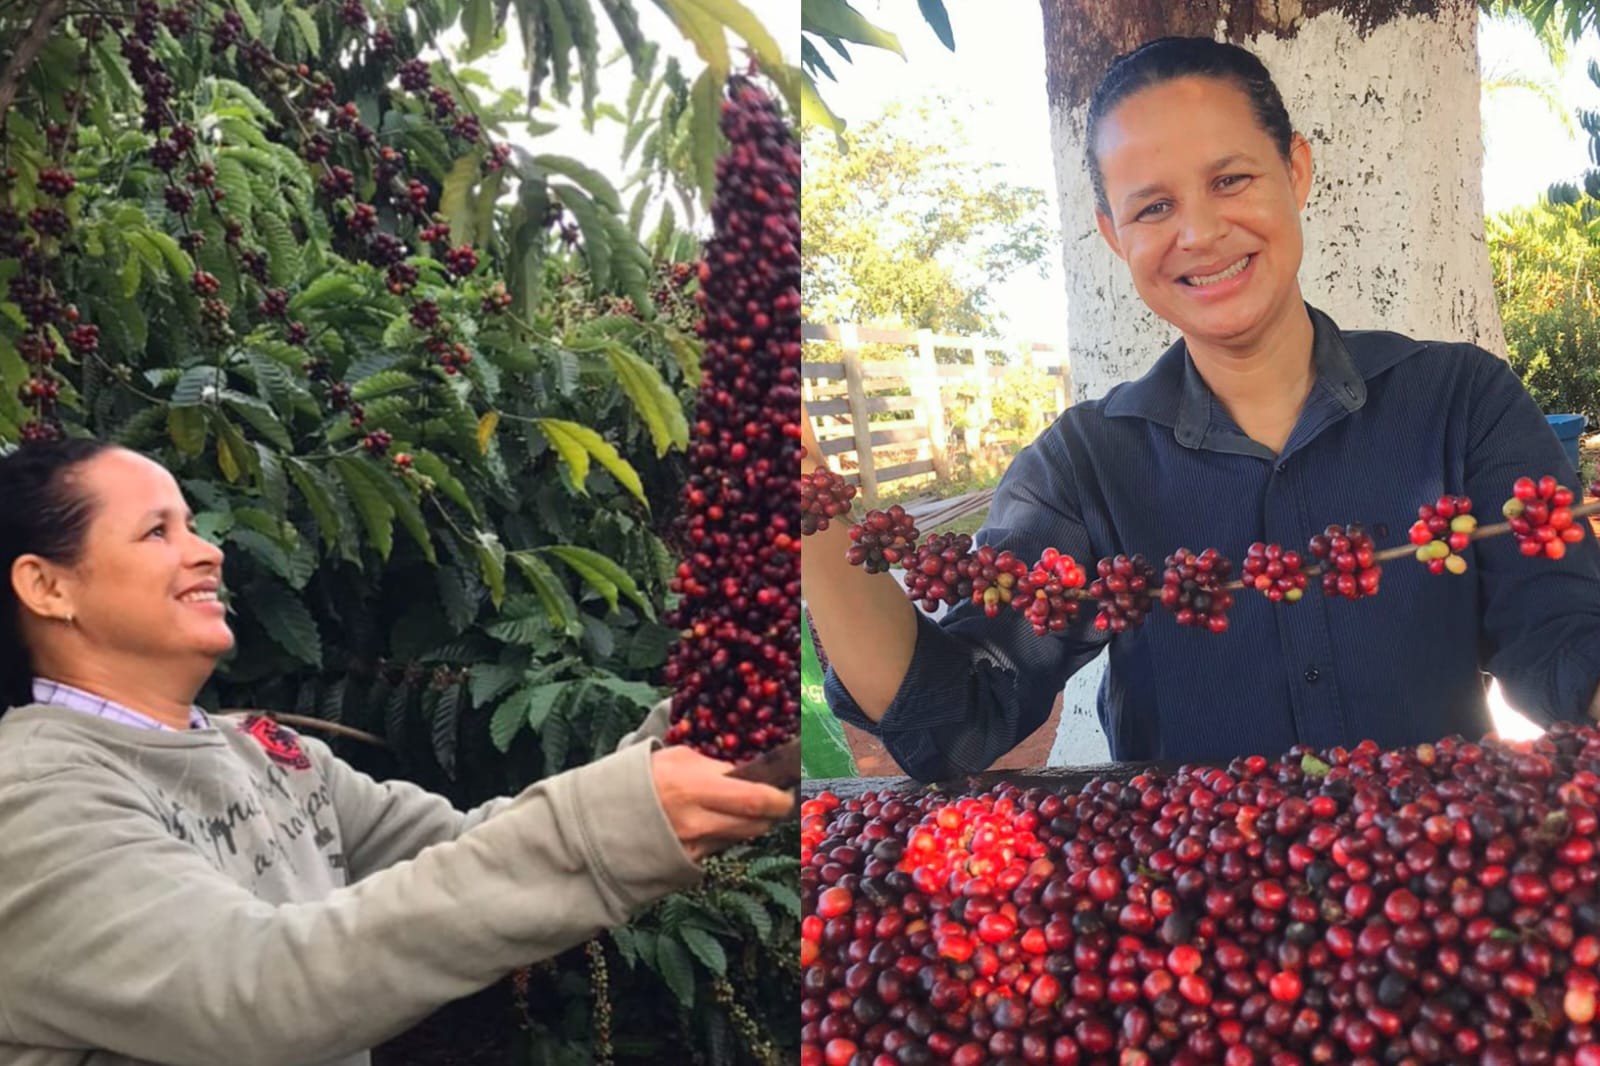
[[1431, 904]]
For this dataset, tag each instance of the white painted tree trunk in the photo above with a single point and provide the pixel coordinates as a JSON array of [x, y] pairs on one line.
[[1393, 230]]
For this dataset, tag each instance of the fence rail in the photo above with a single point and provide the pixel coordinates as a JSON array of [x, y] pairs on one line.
[[844, 394]]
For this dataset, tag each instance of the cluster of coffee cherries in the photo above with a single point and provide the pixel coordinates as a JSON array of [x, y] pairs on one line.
[[377, 443], [453, 356], [1442, 532], [462, 260], [411, 198], [1124, 589], [735, 669], [40, 393], [35, 294], [53, 181], [939, 571], [179, 154], [496, 300], [1428, 904], [1349, 568], [671, 293], [824, 496], [1045, 594], [995, 575], [882, 539], [1276, 573], [1192, 588], [1540, 514]]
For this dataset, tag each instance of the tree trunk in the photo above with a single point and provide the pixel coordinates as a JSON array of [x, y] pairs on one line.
[[1387, 95]]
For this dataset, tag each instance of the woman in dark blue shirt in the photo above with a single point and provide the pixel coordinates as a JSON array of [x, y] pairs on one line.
[[1264, 422]]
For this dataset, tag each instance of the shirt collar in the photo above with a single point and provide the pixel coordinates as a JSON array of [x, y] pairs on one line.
[[57, 694], [1173, 393]]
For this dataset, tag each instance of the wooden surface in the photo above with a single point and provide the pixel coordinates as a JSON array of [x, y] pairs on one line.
[[931, 514]]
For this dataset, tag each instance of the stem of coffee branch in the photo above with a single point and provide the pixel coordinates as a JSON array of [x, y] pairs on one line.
[[27, 51]]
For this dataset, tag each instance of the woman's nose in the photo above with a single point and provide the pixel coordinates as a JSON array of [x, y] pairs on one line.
[[204, 553], [1200, 226]]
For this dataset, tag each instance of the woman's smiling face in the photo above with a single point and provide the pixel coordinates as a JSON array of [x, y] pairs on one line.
[[146, 583], [1203, 208]]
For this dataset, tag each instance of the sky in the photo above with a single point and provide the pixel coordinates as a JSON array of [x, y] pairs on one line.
[[1525, 141], [1526, 146]]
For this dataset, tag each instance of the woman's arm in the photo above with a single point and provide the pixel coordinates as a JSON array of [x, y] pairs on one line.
[[864, 620], [382, 823], [120, 937], [1541, 617], [959, 693]]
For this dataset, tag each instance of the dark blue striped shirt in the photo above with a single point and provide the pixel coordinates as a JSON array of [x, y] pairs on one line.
[[1392, 423]]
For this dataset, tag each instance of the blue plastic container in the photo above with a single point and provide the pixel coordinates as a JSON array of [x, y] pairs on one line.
[[1568, 429]]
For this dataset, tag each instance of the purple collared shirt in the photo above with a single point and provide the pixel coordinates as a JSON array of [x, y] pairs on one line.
[[58, 695]]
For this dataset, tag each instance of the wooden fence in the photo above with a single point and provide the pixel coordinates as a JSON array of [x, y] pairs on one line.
[[844, 395]]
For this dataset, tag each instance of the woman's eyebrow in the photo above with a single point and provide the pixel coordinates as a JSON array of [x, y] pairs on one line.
[[166, 513], [1156, 186], [1228, 161], [1142, 192]]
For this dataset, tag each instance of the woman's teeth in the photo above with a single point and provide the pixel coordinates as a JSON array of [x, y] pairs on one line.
[[1211, 279], [199, 596]]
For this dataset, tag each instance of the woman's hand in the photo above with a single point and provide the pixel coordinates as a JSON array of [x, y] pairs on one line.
[[709, 810]]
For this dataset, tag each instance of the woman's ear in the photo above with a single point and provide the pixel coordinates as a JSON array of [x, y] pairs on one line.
[[1300, 170], [1108, 230], [40, 589]]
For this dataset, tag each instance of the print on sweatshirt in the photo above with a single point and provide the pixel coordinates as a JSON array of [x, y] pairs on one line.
[[259, 819]]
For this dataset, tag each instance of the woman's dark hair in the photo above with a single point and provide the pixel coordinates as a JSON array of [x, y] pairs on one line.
[[44, 512], [1166, 58]]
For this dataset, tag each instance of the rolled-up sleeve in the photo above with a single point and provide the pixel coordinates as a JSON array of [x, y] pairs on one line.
[[978, 686]]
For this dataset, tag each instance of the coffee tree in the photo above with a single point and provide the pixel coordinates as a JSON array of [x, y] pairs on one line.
[[429, 390]]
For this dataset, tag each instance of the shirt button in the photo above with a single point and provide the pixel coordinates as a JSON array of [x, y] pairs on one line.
[[1312, 674]]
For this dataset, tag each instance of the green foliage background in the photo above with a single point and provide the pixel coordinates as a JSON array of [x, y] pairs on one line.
[[1545, 261]]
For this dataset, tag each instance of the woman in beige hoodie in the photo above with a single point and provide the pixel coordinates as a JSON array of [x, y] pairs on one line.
[[186, 889]]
